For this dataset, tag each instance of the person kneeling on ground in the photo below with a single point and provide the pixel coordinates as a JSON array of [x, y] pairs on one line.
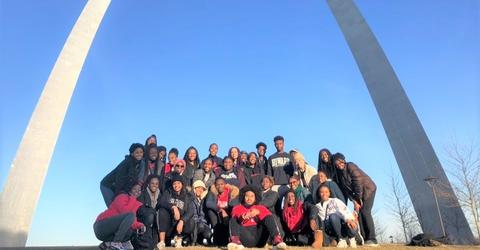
[[175, 213], [115, 226], [338, 221], [249, 220], [300, 222]]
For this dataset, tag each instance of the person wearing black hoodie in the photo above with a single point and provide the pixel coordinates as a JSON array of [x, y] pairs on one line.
[[149, 162], [249, 221], [175, 213], [361, 190], [217, 161], [127, 171], [253, 173], [232, 175], [280, 165], [262, 160], [325, 164]]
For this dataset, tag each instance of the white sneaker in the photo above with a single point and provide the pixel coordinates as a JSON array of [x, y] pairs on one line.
[[161, 245], [178, 242], [342, 243], [127, 245], [353, 242], [234, 246], [280, 245]]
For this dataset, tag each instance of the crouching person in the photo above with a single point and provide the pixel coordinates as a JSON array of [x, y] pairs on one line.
[[300, 223], [201, 232], [175, 213], [339, 223], [249, 220], [116, 225]]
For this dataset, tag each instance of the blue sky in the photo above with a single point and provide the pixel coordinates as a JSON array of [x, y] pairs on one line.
[[231, 72]]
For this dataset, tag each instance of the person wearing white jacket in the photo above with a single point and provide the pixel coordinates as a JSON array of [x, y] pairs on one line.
[[338, 221]]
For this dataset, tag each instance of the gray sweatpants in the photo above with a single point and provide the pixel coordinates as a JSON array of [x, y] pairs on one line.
[[116, 228]]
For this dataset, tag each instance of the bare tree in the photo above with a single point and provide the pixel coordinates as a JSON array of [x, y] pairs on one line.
[[464, 167], [402, 209]]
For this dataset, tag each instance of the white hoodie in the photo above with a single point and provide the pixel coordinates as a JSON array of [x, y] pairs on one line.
[[333, 206]]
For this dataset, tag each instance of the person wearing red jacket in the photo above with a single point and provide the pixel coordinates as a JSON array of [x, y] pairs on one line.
[[116, 225], [249, 220]]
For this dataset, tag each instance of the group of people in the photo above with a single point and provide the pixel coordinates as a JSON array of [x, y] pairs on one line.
[[156, 199]]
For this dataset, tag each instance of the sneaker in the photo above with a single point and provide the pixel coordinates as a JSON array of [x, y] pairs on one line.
[[234, 246], [104, 245], [178, 241], [280, 245], [342, 243], [353, 242], [116, 246], [127, 245], [371, 243], [161, 245]]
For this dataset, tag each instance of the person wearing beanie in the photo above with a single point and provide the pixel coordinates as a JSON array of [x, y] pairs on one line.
[[280, 166], [175, 213], [249, 219], [262, 160], [127, 171], [360, 188], [201, 231]]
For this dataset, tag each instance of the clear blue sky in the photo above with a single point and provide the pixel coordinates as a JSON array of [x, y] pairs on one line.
[[231, 72]]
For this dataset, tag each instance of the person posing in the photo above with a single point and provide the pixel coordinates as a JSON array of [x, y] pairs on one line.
[[175, 213], [182, 170], [262, 160], [172, 159], [243, 158], [249, 220], [253, 173], [232, 175], [127, 171], [217, 161], [301, 193], [147, 213], [205, 174], [269, 197], [339, 223], [192, 159], [303, 170], [201, 231], [280, 165], [322, 179], [151, 140], [115, 226], [219, 202], [299, 220], [325, 163], [361, 190], [149, 163], [234, 153]]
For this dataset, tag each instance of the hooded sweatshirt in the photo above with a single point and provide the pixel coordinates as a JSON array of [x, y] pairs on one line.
[[182, 200], [128, 170], [280, 166]]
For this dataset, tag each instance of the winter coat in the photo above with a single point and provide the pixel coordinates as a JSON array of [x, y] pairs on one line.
[[127, 171], [234, 176], [307, 174], [253, 176], [200, 175], [333, 206], [211, 200], [269, 200], [199, 209], [355, 183], [123, 203], [183, 201], [262, 163]]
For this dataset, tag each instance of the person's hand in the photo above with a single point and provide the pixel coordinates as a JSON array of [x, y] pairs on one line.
[[180, 226], [352, 224], [223, 213], [356, 206], [313, 225], [254, 212], [176, 213]]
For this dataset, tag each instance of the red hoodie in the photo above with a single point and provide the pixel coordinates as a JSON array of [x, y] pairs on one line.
[[239, 210], [294, 217], [123, 203]]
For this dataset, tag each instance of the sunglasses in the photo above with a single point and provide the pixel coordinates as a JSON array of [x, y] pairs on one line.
[[180, 166]]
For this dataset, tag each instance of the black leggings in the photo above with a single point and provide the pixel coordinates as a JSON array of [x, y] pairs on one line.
[[167, 224], [251, 236]]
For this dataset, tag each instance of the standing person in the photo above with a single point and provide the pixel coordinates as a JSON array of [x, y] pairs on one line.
[[162, 155], [253, 174], [300, 222], [232, 175], [205, 174], [249, 220], [175, 213], [150, 162], [243, 158], [217, 161], [219, 202], [147, 213], [325, 163], [192, 159], [338, 221], [151, 140], [172, 159], [116, 225], [361, 190], [262, 161], [303, 170], [127, 171], [322, 179], [201, 231], [234, 153], [280, 166]]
